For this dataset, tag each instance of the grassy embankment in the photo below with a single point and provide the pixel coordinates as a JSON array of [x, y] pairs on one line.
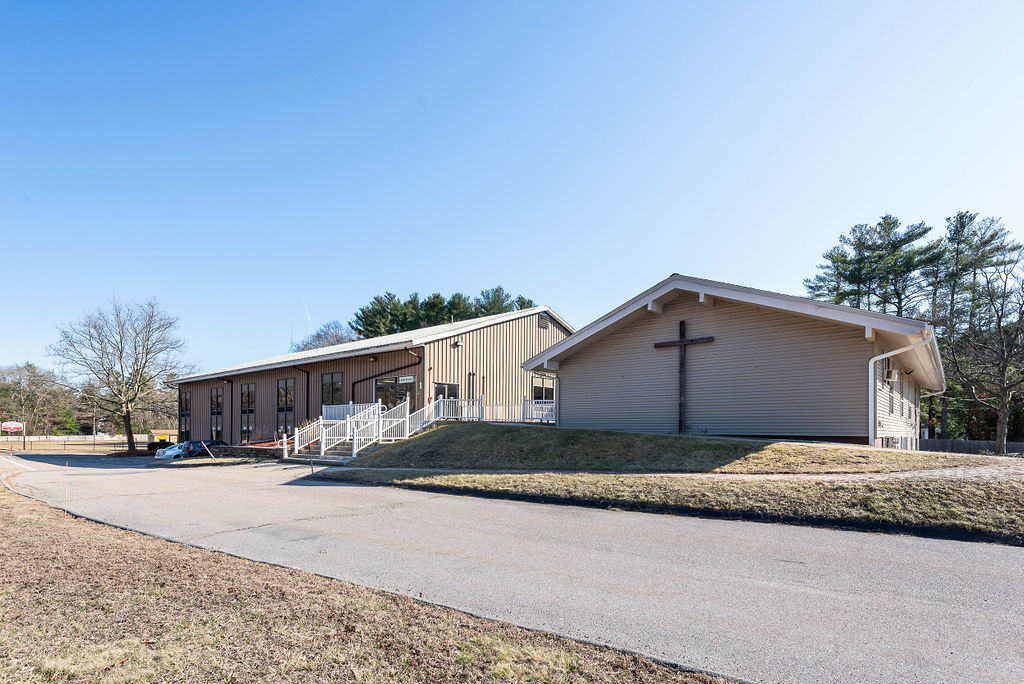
[[466, 446], [81, 601], [991, 510]]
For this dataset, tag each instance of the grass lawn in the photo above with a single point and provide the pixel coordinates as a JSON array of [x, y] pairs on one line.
[[81, 601], [982, 509], [475, 446]]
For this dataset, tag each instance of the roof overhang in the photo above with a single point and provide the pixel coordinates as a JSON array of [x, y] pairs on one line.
[[389, 343], [258, 367], [895, 329]]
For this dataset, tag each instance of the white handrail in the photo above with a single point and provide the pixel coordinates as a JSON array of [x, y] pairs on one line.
[[342, 411], [394, 423], [334, 432], [373, 424], [365, 428], [425, 416], [307, 434]]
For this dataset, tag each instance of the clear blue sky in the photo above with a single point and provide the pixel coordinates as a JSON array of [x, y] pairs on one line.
[[231, 159]]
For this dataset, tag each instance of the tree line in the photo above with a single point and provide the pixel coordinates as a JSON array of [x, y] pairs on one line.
[[113, 368], [387, 313], [968, 283], [115, 362]]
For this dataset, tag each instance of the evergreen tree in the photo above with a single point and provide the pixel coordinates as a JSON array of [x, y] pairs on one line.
[[831, 284], [899, 262], [459, 308], [433, 310], [386, 314], [523, 303], [494, 301], [382, 316], [861, 272]]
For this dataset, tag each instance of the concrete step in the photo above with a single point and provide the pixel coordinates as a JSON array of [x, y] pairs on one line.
[[316, 460]]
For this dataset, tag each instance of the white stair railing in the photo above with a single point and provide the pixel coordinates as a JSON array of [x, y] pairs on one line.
[[306, 435], [394, 423], [333, 433], [342, 411], [365, 428], [373, 424], [425, 416]]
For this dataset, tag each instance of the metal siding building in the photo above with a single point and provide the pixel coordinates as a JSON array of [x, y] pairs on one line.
[[486, 352]]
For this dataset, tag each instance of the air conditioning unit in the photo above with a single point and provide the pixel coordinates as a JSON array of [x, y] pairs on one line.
[[892, 375]]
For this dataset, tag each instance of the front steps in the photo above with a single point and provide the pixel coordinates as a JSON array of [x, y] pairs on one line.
[[339, 454]]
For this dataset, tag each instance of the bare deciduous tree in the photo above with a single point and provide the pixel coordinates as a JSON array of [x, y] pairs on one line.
[[121, 356], [33, 395], [988, 352], [327, 335]]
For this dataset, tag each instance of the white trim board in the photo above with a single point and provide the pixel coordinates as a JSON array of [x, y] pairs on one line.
[[708, 291]]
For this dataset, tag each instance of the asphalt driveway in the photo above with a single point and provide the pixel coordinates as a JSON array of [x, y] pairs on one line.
[[755, 601]]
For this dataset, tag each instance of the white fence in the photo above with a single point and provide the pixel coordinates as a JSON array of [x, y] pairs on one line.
[[371, 424], [529, 411], [365, 429], [342, 411], [71, 438], [394, 424]]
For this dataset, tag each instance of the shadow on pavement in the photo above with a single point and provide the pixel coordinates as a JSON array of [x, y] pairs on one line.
[[99, 461]]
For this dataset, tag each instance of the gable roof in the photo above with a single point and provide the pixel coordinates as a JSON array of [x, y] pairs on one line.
[[926, 360], [370, 345]]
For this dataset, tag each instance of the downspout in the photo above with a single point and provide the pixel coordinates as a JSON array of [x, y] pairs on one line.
[[231, 396], [418, 361], [307, 389], [929, 335]]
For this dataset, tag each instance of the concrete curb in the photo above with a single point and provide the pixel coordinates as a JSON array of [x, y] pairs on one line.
[[177, 466]]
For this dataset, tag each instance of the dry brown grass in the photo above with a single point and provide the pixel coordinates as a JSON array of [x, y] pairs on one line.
[[994, 510], [465, 446], [81, 601]]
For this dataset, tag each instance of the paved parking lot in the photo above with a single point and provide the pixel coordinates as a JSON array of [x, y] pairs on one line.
[[756, 601]]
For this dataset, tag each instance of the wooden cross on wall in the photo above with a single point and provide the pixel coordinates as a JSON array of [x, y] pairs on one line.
[[682, 342]]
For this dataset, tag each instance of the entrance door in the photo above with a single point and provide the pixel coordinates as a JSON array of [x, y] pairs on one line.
[[393, 391], [446, 390]]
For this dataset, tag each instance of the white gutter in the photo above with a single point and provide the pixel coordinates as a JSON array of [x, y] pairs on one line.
[[929, 335]]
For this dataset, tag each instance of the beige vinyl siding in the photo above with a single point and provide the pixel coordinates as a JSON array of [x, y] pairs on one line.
[[496, 354], [766, 373], [905, 427]]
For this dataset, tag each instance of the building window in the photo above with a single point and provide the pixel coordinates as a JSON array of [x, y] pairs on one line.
[[285, 405], [901, 392], [217, 413], [543, 388], [445, 390], [471, 386], [247, 412], [330, 388], [184, 416], [393, 391]]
